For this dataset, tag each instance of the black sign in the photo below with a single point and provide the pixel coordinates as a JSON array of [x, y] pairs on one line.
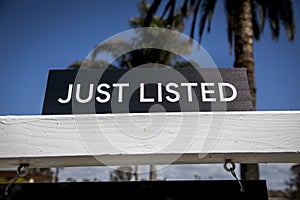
[[147, 190], [146, 90]]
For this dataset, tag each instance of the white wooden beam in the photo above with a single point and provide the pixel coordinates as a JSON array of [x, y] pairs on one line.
[[150, 138]]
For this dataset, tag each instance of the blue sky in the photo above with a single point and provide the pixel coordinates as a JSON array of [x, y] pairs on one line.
[[37, 36]]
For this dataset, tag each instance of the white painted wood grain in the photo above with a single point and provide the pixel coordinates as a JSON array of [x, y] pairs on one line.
[[156, 138]]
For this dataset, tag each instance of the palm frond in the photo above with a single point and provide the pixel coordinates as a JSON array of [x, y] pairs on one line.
[[255, 24], [262, 9], [230, 23], [262, 18], [192, 3], [151, 12], [273, 15], [286, 16], [208, 8], [276, 12], [184, 8], [167, 7], [196, 9], [170, 18]]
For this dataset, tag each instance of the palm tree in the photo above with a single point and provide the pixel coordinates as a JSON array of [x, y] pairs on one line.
[[245, 19], [142, 56]]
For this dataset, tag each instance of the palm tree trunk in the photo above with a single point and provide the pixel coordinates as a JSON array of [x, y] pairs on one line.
[[243, 50], [137, 173], [152, 175], [55, 177]]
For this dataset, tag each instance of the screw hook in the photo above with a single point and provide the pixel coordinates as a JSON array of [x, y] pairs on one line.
[[231, 170], [22, 171]]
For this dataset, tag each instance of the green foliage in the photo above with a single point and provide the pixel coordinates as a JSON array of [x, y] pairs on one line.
[[98, 64], [123, 173], [293, 187], [174, 20], [118, 46], [275, 11]]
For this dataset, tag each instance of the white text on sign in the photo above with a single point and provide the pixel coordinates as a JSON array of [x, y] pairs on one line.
[[208, 92]]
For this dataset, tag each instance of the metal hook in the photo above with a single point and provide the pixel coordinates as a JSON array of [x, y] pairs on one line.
[[22, 171], [231, 170]]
